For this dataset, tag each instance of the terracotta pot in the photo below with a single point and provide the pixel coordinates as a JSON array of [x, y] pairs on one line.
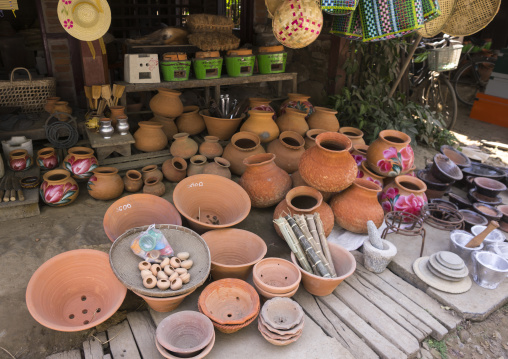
[[298, 181], [166, 304], [344, 263], [168, 126], [288, 149], [234, 252], [116, 111], [105, 183], [276, 276], [74, 291], [354, 134], [174, 169], [138, 210], [219, 167], [47, 159], [305, 200], [190, 121], [154, 186], [20, 160], [211, 202], [406, 194], [262, 124], [293, 120], [133, 181], [230, 328], [211, 148], [223, 128], [183, 146], [167, 103], [391, 154], [310, 137], [298, 101], [62, 106], [359, 153], [151, 171], [80, 161], [58, 188], [365, 173], [356, 205], [197, 165], [260, 104], [269, 295], [324, 118], [282, 314], [264, 181], [328, 166], [203, 353], [150, 137], [49, 107], [242, 145]]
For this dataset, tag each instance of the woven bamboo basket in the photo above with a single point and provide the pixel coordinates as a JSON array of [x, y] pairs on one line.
[[470, 16], [202, 23], [434, 27], [214, 41]]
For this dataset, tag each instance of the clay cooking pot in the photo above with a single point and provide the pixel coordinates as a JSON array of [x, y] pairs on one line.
[[288, 149], [105, 184], [242, 145]]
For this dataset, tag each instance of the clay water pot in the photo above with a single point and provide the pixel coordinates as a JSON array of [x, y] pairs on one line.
[[356, 205], [197, 165], [391, 154], [288, 149], [154, 186], [260, 104], [105, 183], [58, 188], [293, 120], [405, 193], [262, 124], [276, 276], [365, 173], [211, 148], [168, 126], [344, 263], [73, 291], [150, 137], [47, 159], [310, 137], [328, 166], [64, 108], [174, 169], [151, 171], [166, 304], [242, 145], [223, 128], [265, 183], [219, 167], [305, 200], [324, 118], [298, 181], [359, 153], [133, 181], [20, 160], [49, 107], [167, 103], [80, 161], [354, 134], [298, 101], [190, 121], [116, 112], [183, 146], [234, 252]]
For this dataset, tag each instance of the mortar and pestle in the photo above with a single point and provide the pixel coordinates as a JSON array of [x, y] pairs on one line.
[[378, 253]]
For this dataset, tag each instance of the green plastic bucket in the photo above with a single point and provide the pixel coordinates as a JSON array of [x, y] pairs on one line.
[[175, 70], [209, 68], [272, 63], [240, 66]]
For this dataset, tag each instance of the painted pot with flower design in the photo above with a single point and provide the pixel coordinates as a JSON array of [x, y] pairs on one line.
[[391, 155], [80, 162], [260, 104], [298, 101], [359, 153], [58, 188], [365, 173], [47, 159], [20, 160], [105, 183], [412, 173], [406, 194]]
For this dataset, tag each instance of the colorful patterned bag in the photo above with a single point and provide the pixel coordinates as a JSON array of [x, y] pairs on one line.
[[431, 9], [339, 7], [348, 26]]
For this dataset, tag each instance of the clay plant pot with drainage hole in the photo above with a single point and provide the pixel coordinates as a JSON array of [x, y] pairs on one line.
[[310, 137], [174, 169], [190, 121], [105, 184], [354, 134], [406, 194], [298, 181], [276, 276], [365, 173], [219, 167], [151, 171], [154, 186], [242, 145], [167, 103], [324, 118], [196, 165], [150, 137], [58, 188], [288, 149], [390, 155], [293, 120], [133, 181], [262, 124], [80, 161], [223, 128], [166, 304], [211, 148], [183, 146]]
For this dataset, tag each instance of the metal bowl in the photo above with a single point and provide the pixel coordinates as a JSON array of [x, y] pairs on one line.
[[458, 241], [500, 248], [495, 236], [489, 269]]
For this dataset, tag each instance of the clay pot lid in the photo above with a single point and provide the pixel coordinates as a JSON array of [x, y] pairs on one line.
[[388, 135], [276, 275], [489, 184], [441, 275], [352, 132], [447, 168], [461, 202], [473, 218], [291, 140], [166, 354], [474, 196], [413, 184], [490, 212], [420, 267], [282, 313], [295, 330], [449, 260], [333, 142], [431, 181], [456, 156]]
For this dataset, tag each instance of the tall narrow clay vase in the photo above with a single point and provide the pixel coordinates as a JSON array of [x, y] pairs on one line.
[[133, 181], [151, 171], [298, 101], [211, 148], [190, 121], [328, 166], [174, 169], [288, 149], [405, 193], [168, 125], [58, 188], [223, 128], [116, 111], [242, 145], [167, 103], [265, 183], [310, 137], [196, 165], [293, 120], [183, 146], [356, 205], [261, 123], [150, 137], [354, 134], [80, 161], [391, 155], [105, 183], [219, 167], [260, 104], [324, 118]]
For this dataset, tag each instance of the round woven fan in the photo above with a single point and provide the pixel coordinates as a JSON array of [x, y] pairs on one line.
[[470, 16], [434, 27]]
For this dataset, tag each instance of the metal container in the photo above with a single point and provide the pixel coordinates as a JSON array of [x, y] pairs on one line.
[[106, 129], [500, 248], [495, 236], [458, 241], [122, 125], [489, 269]]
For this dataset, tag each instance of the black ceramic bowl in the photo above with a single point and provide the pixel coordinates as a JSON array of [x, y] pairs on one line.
[[472, 219], [457, 157], [481, 170], [30, 182], [488, 187], [475, 196], [435, 188], [489, 212], [462, 203], [445, 170]]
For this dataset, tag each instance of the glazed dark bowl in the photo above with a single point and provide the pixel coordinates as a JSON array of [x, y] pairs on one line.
[[488, 187], [489, 212], [475, 196], [482, 170], [469, 182], [445, 170], [472, 218], [460, 159], [30, 182], [504, 210], [435, 188], [461, 202]]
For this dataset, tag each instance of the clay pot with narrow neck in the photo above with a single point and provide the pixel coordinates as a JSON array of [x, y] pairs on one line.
[[47, 159], [49, 107], [197, 165], [365, 173], [354, 134], [293, 120], [151, 171], [133, 181], [183, 146], [219, 167], [154, 186], [359, 153], [265, 182], [356, 205], [288, 149], [80, 161], [150, 137], [242, 145], [211, 148], [116, 111], [167, 103], [310, 137], [174, 169], [20, 160], [391, 155], [405, 193], [298, 181], [260, 104], [328, 166], [64, 108], [324, 118], [105, 184], [262, 124], [298, 101], [58, 188], [168, 125], [190, 121]]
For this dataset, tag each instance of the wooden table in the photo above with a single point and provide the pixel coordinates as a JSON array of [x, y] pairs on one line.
[[105, 147]]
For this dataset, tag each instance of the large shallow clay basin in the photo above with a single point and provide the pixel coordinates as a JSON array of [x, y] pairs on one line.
[[138, 210], [344, 263], [234, 252], [211, 202], [74, 291], [276, 276]]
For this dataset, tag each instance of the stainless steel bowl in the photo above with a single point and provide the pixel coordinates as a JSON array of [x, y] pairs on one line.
[[500, 248], [458, 241], [489, 269], [495, 236]]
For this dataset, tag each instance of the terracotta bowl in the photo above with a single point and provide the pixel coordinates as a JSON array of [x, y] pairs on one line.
[[489, 212], [74, 291], [488, 187], [234, 252], [282, 313], [164, 305], [344, 263], [138, 210], [166, 354], [211, 202], [223, 128], [457, 157], [474, 196], [267, 295], [276, 276]]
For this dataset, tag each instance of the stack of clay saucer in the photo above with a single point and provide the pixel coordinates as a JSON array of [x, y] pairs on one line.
[[445, 271], [281, 321]]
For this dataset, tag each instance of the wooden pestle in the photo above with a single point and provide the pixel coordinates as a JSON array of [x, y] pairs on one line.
[[477, 240]]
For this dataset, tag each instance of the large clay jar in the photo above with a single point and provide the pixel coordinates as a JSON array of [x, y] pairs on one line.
[[354, 134], [242, 145], [183, 146], [288, 149], [105, 183], [20, 160], [293, 120], [265, 183], [190, 121], [260, 104], [133, 181], [223, 128], [154, 186], [356, 205], [310, 137], [405, 193], [324, 118], [58, 188], [80, 161], [359, 153], [150, 137], [49, 107], [116, 111], [219, 167], [365, 173], [174, 169], [151, 171], [167, 103], [47, 159], [328, 166], [211, 148], [262, 124], [168, 125], [391, 154], [298, 101], [305, 200], [197, 165], [64, 108], [298, 181]]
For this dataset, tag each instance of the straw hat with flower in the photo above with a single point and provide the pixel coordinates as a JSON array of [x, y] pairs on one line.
[[86, 20]]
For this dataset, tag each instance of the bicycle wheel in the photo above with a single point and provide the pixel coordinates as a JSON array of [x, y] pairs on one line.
[[440, 97], [471, 79]]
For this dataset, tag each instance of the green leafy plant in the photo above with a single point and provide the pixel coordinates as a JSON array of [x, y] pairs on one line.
[[440, 346]]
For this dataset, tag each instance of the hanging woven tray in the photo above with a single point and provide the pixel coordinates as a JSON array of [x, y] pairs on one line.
[[470, 16], [433, 27]]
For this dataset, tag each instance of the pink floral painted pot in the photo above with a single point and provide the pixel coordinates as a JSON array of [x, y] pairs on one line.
[[391, 155], [58, 188], [298, 101], [359, 153], [20, 160], [405, 194], [80, 162], [365, 173], [260, 104], [47, 159]]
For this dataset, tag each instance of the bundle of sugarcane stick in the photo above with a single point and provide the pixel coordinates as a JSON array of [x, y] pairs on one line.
[[306, 238]]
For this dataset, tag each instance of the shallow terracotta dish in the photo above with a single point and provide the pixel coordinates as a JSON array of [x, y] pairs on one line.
[[166, 354], [474, 196], [164, 305], [489, 212], [267, 295], [276, 276]]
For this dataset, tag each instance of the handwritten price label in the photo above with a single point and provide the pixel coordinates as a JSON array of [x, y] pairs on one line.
[[195, 184], [124, 207]]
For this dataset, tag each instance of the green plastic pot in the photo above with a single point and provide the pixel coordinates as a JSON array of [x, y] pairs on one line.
[[209, 68], [272, 63], [175, 70], [240, 66]]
